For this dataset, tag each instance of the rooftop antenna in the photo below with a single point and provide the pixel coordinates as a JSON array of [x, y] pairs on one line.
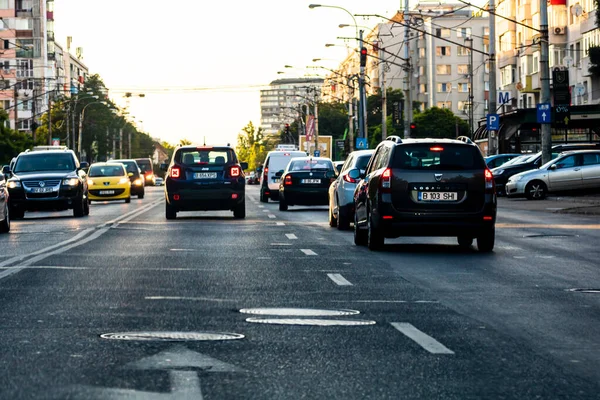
[[204, 140]]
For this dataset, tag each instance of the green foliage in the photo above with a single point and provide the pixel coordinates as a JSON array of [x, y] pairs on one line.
[[11, 142], [185, 142], [439, 123], [252, 146], [374, 116], [594, 54], [333, 119], [597, 3]]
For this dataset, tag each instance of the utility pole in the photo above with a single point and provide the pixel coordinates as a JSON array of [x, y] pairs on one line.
[[33, 112], [351, 113], [471, 119], [383, 95], [408, 110], [545, 81], [121, 142], [49, 115], [492, 147], [361, 93], [316, 107]]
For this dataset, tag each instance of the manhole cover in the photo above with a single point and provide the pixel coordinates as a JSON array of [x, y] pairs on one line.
[[548, 236], [310, 321], [172, 336], [298, 312], [583, 290]]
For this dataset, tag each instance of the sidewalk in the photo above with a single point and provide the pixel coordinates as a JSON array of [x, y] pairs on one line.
[[584, 204]]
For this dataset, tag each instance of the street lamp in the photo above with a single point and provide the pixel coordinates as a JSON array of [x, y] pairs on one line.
[[80, 137]]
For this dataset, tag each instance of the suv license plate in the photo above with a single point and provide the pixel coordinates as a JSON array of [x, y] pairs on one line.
[[42, 190], [107, 192], [311, 181], [438, 196], [205, 175]]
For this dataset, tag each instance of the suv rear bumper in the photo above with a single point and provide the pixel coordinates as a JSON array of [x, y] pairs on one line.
[[205, 199]]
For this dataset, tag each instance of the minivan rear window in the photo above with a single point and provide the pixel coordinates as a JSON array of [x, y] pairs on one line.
[[214, 156], [435, 156]]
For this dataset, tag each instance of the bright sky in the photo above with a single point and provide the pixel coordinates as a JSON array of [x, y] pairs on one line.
[[193, 46]]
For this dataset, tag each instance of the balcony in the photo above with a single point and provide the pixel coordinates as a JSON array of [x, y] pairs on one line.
[[24, 34], [50, 36], [508, 57], [524, 12]]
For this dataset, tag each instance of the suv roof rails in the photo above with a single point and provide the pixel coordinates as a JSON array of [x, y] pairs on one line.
[[394, 138]]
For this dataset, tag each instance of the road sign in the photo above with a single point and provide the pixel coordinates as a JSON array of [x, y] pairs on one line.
[[544, 115], [560, 83], [493, 122], [55, 142], [562, 115], [361, 144], [317, 153], [504, 97]]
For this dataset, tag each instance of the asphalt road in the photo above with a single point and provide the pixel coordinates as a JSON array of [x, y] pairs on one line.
[[323, 319]]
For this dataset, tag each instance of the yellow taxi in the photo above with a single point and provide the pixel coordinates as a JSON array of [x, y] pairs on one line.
[[109, 181]]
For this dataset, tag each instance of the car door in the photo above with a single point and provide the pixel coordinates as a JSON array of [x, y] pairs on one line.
[[567, 174], [590, 170], [361, 192]]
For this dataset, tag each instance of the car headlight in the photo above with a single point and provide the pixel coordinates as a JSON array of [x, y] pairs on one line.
[[70, 182], [90, 182], [137, 182], [14, 184], [123, 181], [498, 172]]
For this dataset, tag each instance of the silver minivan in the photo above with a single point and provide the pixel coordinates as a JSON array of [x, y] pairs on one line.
[[571, 170]]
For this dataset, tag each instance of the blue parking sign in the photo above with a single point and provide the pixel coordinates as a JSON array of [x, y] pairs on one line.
[[317, 153], [361, 143], [493, 122], [544, 113]]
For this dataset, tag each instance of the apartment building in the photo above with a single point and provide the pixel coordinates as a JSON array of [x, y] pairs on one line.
[[281, 102]]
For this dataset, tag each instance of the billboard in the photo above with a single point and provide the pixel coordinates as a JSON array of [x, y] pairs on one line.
[[325, 145]]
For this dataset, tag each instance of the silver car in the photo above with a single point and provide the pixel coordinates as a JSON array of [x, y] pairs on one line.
[[571, 170], [341, 191]]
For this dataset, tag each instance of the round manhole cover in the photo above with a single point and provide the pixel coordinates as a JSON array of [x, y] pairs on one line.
[[298, 312], [310, 321], [583, 290], [172, 336]]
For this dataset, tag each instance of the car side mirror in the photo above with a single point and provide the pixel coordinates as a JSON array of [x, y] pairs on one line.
[[130, 174], [355, 174], [244, 165], [84, 165], [278, 174], [6, 170], [552, 167], [164, 166]]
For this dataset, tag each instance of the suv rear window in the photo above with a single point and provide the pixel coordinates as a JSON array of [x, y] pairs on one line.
[[437, 156], [45, 162], [205, 156], [311, 165]]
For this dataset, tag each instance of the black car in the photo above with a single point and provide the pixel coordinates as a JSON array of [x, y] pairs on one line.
[[425, 187], [48, 180], [504, 172], [305, 181], [138, 184], [205, 178]]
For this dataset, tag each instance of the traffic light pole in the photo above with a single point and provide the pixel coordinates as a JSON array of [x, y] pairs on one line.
[[361, 89], [546, 130], [408, 109]]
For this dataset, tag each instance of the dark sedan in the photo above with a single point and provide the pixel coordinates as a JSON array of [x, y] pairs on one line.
[[305, 181]]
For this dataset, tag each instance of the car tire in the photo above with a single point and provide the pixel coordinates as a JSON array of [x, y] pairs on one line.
[[342, 220], [86, 207], [332, 218], [239, 211], [465, 241], [128, 200], [536, 190], [79, 207], [141, 195], [5, 223], [170, 212], [282, 204], [360, 236], [16, 213], [263, 197], [375, 239], [485, 240]]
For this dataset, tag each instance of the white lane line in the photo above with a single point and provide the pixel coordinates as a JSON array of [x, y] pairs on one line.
[[291, 236], [308, 252], [265, 210], [422, 339], [261, 206], [186, 298], [280, 223], [281, 244], [272, 216], [339, 280]]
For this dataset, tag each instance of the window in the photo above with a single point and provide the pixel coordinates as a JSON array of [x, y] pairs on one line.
[[567, 162], [463, 51], [442, 32], [443, 87], [536, 64], [462, 69], [463, 105], [24, 68], [24, 24], [5, 65], [463, 87], [24, 124], [451, 157], [422, 70], [423, 88], [26, 84], [577, 53], [487, 67], [444, 104], [443, 69], [4, 5], [591, 159], [24, 48], [486, 85], [422, 52], [24, 5], [442, 51], [463, 32], [5, 104]]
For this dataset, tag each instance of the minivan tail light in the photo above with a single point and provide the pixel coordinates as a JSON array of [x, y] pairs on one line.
[[386, 181], [288, 180], [176, 172], [235, 171], [489, 180]]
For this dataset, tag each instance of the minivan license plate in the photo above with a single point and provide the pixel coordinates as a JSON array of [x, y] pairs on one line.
[[205, 175], [438, 196]]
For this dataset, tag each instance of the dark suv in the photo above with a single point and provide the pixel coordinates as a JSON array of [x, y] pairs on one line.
[[425, 187], [136, 177], [205, 178], [48, 180]]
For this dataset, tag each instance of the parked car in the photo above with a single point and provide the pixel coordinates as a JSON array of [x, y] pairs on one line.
[[158, 181], [138, 182], [275, 163], [305, 181], [4, 206], [500, 159], [52, 180], [425, 187], [147, 169], [502, 173], [341, 191], [571, 170], [205, 178], [109, 181], [337, 165]]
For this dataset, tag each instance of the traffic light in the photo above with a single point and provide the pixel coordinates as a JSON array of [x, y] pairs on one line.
[[287, 129], [363, 56], [413, 129]]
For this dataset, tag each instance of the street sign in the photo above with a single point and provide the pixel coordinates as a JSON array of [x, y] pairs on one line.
[[55, 142], [317, 153], [560, 83], [544, 115], [504, 97], [361, 144], [562, 115], [493, 122]]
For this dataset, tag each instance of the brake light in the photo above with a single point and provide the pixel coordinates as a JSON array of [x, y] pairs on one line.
[[489, 180], [288, 180], [437, 149], [386, 181], [349, 179], [175, 172], [266, 172], [235, 171]]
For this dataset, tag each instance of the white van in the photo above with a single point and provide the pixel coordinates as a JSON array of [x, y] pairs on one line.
[[275, 162]]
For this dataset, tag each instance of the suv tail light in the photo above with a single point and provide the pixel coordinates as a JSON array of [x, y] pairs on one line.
[[288, 180], [489, 181], [386, 181], [176, 172], [235, 171], [348, 179]]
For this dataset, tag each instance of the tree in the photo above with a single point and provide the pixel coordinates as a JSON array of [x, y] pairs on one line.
[[393, 97], [11, 142], [594, 54], [439, 123], [252, 146]]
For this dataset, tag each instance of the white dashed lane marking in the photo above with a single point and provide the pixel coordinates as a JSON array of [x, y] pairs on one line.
[[291, 236], [272, 216], [339, 280], [422, 339], [308, 252], [280, 224]]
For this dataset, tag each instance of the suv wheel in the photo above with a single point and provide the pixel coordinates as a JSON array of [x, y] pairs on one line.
[[536, 190], [263, 197], [465, 241], [79, 208], [239, 211], [360, 236], [170, 212], [485, 240], [375, 239], [5, 223], [332, 219]]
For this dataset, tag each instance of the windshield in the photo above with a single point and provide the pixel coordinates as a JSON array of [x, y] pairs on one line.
[[311, 165], [106, 170], [45, 162], [144, 165], [438, 157]]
